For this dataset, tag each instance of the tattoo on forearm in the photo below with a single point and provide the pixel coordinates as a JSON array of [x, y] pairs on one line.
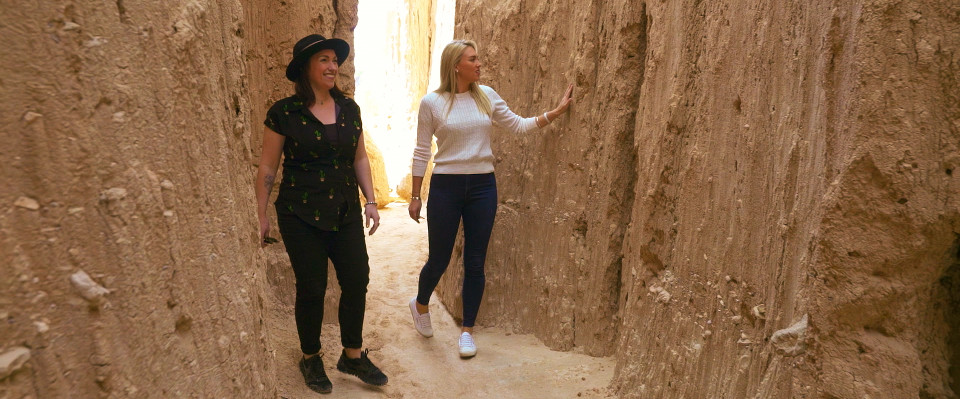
[[268, 181]]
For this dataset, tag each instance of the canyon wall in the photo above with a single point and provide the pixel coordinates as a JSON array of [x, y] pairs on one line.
[[747, 199], [129, 225]]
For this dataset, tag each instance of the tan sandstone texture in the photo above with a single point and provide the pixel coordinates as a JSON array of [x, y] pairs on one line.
[[381, 190], [748, 198], [128, 229]]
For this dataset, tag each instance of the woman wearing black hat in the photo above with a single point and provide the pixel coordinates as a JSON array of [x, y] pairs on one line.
[[319, 132]]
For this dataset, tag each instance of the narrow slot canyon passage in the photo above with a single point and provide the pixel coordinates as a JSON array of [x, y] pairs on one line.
[[395, 45], [746, 199]]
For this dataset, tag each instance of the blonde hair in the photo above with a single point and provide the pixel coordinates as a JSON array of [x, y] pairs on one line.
[[448, 76]]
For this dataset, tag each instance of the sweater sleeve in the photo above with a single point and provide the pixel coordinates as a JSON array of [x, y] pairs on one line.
[[504, 117], [425, 128]]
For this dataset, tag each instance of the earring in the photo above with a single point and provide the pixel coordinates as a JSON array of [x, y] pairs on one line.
[[457, 71]]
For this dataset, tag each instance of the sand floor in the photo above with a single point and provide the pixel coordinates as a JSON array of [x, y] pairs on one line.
[[506, 366]]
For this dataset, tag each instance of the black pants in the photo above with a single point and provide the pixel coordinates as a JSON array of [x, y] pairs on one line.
[[472, 198], [309, 249]]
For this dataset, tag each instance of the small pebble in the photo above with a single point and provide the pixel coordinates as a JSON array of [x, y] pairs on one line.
[[28, 203], [87, 288], [113, 194], [760, 311], [663, 297], [31, 116], [12, 360], [96, 41]]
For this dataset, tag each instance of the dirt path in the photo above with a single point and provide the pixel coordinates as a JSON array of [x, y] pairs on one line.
[[506, 366]]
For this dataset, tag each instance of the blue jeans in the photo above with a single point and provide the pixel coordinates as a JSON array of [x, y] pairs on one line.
[[472, 198]]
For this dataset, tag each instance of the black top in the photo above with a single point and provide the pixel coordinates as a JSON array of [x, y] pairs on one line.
[[319, 184]]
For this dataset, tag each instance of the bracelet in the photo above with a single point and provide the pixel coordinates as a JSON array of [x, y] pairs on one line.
[[370, 203], [415, 197], [546, 117]]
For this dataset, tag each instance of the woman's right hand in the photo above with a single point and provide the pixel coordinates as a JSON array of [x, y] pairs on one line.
[[264, 229], [414, 209], [564, 101]]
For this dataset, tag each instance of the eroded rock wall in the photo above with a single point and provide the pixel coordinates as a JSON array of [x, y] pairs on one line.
[[748, 199], [129, 225], [127, 232]]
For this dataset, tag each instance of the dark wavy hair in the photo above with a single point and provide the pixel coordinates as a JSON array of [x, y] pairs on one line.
[[304, 90]]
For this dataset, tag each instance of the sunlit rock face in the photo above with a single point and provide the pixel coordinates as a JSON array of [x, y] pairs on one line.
[[394, 42]]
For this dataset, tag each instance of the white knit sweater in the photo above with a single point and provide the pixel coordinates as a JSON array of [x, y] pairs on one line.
[[463, 136]]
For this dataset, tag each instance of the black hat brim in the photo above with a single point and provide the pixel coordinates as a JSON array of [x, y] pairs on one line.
[[339, 46]]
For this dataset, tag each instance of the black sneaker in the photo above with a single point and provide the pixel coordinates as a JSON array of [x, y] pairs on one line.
[[314, 375], [362, 368]]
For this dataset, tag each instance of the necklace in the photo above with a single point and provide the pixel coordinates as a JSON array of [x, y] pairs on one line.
[[322, 100]]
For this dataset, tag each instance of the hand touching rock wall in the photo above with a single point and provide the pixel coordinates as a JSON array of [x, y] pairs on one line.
[[729, 170]]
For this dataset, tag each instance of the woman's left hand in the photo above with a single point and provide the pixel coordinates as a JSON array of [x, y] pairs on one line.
[[370, 211]]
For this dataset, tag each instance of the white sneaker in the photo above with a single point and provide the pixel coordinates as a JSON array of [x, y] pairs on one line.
[[421, 321], [467, 347]]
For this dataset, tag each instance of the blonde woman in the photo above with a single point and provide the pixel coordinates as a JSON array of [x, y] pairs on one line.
[[461, 114]]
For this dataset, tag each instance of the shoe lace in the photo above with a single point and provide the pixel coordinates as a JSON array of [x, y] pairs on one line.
[[365, 364], [424, 320], [363, 361], [466, 340]]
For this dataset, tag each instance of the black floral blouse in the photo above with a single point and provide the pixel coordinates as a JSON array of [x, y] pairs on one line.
[[319, 183]]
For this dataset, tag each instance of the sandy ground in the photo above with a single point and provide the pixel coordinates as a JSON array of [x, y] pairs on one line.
[[506, 366]]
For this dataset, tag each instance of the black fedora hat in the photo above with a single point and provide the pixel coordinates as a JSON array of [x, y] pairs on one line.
[[309, 46]]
